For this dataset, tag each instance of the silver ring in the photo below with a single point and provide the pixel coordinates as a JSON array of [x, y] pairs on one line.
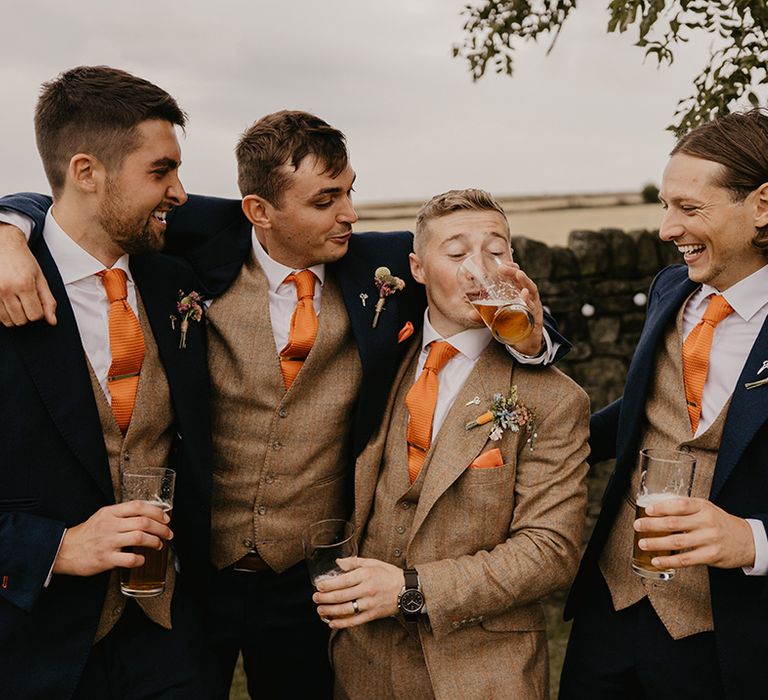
[[355, 607]]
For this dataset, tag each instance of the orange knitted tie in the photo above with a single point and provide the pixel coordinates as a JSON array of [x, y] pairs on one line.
[[303, 331], [696, 355], [421, 400], [126, 341]]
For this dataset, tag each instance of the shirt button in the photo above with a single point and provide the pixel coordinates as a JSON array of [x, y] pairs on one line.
[[400, 529], [276, 445], [248, 543], [405, 505], [269, 478], [282, 413], [261, 510], [398, 553]]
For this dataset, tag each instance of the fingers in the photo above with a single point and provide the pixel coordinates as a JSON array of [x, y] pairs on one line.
[[46, 299], [134, 508], [677, 506]]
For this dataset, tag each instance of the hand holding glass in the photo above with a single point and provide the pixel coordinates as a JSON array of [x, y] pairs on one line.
[[496, 298], [155, 486], [325, 542], [664, 474]]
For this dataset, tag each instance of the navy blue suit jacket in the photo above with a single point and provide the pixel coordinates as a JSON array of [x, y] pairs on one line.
[[740, 486], [54, 474]]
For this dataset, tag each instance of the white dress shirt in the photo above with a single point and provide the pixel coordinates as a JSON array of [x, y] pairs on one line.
[[470, 344], [732, 342], [87, 295]]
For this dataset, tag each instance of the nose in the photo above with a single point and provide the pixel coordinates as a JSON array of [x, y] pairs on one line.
[[347, 214], [176, 192], [670, 227]]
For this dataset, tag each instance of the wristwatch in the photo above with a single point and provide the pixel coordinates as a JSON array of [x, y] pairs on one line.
[[411, 599]]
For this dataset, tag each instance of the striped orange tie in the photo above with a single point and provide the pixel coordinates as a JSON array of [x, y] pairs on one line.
[[421, 400], [303, 331], [126, 341], [696, 355]]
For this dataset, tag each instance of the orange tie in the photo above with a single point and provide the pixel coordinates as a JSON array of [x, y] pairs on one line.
[[303, 331], [126, 342], [696, 355], [421, 400]]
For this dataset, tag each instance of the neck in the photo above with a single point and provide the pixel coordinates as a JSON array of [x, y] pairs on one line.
[[83, 228]]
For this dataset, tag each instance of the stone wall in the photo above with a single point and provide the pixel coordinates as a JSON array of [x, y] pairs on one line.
[[596, 289]]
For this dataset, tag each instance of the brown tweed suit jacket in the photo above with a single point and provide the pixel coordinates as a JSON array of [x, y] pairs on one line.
[[490, 543]]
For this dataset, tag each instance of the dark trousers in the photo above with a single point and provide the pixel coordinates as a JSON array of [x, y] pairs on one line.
[[139, 660], [629, 655], [272, 620]]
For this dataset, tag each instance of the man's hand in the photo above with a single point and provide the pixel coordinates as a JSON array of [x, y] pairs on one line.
[[374, 584], [702, 534], [24, 292], [529, 292], [96, 545]]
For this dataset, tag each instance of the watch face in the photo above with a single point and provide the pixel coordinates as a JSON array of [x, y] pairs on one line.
[[412, 601]]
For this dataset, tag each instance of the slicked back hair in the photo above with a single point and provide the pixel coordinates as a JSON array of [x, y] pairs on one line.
[[285, 138], [449, 202], [739, 143], [96, 110]]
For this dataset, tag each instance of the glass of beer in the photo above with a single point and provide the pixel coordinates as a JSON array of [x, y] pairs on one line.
[[494, 297], [155, 486], [664, 474], [326, 541]]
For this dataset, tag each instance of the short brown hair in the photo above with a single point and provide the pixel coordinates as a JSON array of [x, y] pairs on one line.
[[739, 143], [95, 110], [285, 138], [470, 199]]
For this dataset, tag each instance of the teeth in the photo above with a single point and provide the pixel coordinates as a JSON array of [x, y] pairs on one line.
[[159, 215], [688, 249]]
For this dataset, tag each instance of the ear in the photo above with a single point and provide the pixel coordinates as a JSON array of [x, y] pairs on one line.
[[417, 269], [257, 210], [85, 172], [761, 206]]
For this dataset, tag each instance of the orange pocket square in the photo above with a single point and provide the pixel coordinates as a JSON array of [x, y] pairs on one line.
[[405, 332], [488, 460]]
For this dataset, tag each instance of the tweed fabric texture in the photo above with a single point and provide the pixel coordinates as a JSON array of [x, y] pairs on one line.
[[280, 457]]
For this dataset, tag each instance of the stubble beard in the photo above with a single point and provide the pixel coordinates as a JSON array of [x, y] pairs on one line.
[[133, 234]]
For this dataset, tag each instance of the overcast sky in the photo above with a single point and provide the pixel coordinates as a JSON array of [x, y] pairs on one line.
[[590, 117]]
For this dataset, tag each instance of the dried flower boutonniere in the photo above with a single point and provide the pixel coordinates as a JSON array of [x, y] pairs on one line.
[[190, 309], [508, 413], [387, 284]]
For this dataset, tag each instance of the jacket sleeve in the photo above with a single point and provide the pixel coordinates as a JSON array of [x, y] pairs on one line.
[[28, 547], [542, 551], [31, 204]]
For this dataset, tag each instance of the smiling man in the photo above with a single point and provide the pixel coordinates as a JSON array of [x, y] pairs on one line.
[[703, 633], [460, 534], [104, 390]]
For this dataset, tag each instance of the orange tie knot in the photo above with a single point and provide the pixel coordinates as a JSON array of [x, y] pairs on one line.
[[440, 353], [305, 284], [717, 309], [114, 282]]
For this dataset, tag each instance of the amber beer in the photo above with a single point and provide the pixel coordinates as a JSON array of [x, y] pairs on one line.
[[509, 322], [641, 559], [155, 485], [149, 578]]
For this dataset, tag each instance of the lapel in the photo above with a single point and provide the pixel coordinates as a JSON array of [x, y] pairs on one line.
[[184, 367], [65, 385], [368, 464], [454, 448], [747, 413], [640, 372]]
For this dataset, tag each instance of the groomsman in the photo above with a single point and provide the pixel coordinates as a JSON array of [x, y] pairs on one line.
[[106, 389], [693, 385], [463, 525]]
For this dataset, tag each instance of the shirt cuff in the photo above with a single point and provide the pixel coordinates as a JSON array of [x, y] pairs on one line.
[[546, 356], [760, 567], [20, 221], [50, 573]]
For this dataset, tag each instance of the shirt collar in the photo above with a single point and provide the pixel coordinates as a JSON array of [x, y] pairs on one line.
[[469, 343], [74, 263], [277, 272], [746, 297]]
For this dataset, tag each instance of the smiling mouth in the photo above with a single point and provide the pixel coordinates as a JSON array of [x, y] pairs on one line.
[[160, 214], [691, 250]]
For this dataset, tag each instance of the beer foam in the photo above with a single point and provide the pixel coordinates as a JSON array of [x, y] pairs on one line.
[[648, 499]]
